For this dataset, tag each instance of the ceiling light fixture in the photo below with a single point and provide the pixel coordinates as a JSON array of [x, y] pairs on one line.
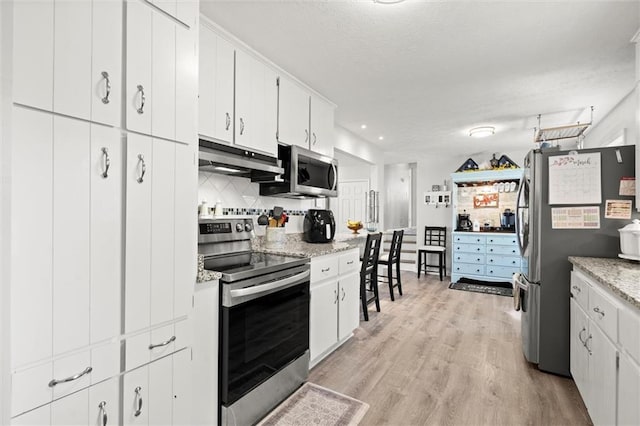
[[364, 126], [380, 138], [482, 132], [388, 1]]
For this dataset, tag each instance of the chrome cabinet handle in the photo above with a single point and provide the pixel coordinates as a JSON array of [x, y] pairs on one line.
[[54, 382], [598, 311], [335, 296], [314, 138], [165, 343], [576, 288], [326, 270], [228, 121], [306, 135], [580, 335], [350, 262], [586, 344], [107, 85], [343, 294], [107, 162], [142, 99], [103, 411], [143, 168], [241, 126], [138, 401]]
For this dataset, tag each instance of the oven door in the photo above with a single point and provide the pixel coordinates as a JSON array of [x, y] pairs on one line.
[[263, 334]]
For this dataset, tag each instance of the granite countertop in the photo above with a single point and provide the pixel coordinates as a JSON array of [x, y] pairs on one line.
[[205, 275], [620, 275], [294, 246]]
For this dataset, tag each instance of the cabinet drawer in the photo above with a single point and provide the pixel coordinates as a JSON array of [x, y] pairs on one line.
[[469, 239], [165, 340], [349, 262], [509, 250], [30, 389], [630, 332], [503, 240], [469, 258], [468, 268], [604, 313], [580, 290], [502, 271], [468, 248], [503, 261], [324, 267]]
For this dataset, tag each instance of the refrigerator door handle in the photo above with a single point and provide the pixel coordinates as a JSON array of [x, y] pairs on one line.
[[518, 208]]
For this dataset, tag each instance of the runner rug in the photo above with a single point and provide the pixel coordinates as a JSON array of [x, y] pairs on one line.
[[315, 405], [499, 288]]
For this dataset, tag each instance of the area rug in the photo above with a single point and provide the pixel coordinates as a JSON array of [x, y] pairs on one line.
[[498, 288], [315, 405]]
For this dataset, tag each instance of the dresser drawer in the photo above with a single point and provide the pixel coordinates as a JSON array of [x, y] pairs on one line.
[[503, 240], [502, 271], [469, 258], [508, 250], [468, 268], [469, 239], [349, 262], [604, 313], [324, 267], [503, 261], [468, 248]]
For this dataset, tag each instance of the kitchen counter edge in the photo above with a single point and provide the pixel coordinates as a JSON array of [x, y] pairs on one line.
[[619, 275]]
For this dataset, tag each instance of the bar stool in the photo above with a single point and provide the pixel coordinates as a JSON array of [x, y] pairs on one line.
[[435, 241], [369, 273], [393, 259]]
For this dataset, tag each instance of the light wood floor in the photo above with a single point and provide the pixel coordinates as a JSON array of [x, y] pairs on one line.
[[437, 356]]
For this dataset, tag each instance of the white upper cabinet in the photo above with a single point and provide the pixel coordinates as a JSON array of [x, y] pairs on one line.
[[293, 113], [322, 122], [138, 92], [207, 82], [256, 105], [72, 63], [304, 119], [187, 83], [163, 76]]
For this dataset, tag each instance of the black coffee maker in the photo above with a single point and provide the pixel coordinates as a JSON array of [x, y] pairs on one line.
[[464, 222], [508, 220]]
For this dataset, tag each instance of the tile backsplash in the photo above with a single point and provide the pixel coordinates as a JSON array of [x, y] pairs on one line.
[[240, 196], [491, 215]]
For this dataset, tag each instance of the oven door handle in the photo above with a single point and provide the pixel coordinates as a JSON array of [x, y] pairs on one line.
[[240, 292]]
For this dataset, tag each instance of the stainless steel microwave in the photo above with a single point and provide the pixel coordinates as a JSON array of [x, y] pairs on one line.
[[307, 174]]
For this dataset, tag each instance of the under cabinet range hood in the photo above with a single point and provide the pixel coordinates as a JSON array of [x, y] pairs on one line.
[[228, 160]]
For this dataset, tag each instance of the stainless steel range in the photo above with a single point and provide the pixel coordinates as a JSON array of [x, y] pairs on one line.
[[264, 320]]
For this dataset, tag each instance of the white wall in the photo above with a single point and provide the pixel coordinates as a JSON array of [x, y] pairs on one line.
[[621, 119]]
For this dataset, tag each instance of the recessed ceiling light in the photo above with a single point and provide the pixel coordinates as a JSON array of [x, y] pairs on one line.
[[388, 1], [481, 132], [380, 137], [364, 126]]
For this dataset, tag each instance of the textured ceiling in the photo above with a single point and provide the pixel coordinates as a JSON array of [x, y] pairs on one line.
[[422, 73]]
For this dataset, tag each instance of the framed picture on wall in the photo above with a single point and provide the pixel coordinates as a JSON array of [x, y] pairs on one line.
[[485, 200]]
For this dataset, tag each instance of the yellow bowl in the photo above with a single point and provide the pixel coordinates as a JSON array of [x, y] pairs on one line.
[[355, 228]]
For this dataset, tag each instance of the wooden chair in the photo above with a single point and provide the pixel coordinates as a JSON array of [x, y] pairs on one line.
[[435, 242], [369, 273], [393, 259]]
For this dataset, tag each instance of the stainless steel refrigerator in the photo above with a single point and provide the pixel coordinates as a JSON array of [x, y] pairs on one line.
[[547, 238]]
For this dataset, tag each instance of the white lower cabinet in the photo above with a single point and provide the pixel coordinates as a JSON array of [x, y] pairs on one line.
[[334, 310], [605, 373]]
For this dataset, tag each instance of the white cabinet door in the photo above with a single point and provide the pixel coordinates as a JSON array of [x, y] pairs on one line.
[[139, 98], [628, 392], [322, 126], [349, 305], [186, 202], [71, 410], [71, 234], [602, 370], [162, 231], [323, 317], [186, 106], [33, 53], [31, 203], [207, 82], [104, 403], [223, 94], [579, 357], [163, 77], [39, 416], [106, 62], [106, 168], [72, 58], [161, 391], [293, 114], [138, 235], [135, 397], [182, 389]]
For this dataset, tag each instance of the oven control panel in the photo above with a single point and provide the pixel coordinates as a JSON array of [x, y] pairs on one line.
[[224, 230], [215, 228]]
